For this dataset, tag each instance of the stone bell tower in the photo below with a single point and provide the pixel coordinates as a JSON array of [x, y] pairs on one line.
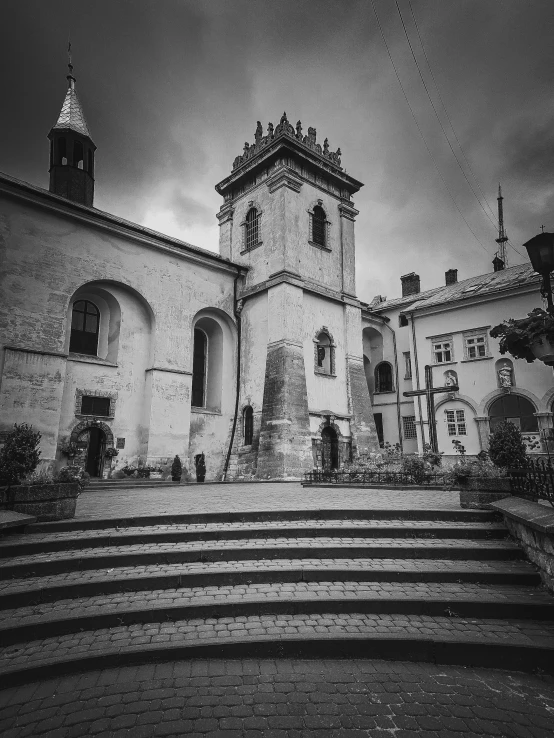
[[72, 151], [288, 215]]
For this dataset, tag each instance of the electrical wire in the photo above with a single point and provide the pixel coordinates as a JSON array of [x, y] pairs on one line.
[[420, 131], [495, 221]]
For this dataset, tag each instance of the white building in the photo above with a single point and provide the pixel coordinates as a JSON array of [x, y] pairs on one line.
[[447, 328]]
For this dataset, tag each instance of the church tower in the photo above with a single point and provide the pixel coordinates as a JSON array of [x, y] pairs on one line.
[[72, 151], [288, 216]]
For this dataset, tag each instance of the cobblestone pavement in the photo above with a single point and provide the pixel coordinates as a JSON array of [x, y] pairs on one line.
[[283, 699], [236, 497]]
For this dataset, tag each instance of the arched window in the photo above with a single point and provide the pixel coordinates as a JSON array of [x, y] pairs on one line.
[[383, 377], [78, 154], [85, 324], [517, 410], [252, 229], [199, 357], [319, 226], [248, 425], [324, 354], [62, 151]]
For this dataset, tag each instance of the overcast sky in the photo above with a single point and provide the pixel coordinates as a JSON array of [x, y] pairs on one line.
[[172, 89]]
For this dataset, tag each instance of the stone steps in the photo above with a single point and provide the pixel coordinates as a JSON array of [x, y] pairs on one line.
[[448, 585], [34, 590]]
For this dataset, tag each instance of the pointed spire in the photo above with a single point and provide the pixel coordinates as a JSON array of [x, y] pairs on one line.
[[71, 115]]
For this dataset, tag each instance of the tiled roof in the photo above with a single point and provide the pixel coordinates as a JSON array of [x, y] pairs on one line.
[[71, 115], [483, 284]]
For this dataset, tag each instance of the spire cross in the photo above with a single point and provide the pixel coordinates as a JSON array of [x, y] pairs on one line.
[[429, 393], [542, 229]]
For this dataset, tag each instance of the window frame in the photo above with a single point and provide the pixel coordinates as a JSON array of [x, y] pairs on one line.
[[409, 433], [318, 369], [474, 336], [377, 384], [248, 425], [325, 246], [442, 342], [205, 372], [456, 422], [246, 246], [75, 338]]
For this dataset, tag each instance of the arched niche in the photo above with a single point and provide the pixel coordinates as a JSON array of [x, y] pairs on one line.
[[372, 342], [219, 370], [505, 376], [108, 297]]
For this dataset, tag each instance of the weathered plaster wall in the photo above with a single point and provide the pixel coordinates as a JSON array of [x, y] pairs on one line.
[[47, 257]]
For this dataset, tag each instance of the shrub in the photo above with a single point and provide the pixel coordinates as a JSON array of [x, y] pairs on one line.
[[20, 455], [433, 458], [73, 474], [415, 467], [176, 469], [39, 476], [462, 470], [506, 446]]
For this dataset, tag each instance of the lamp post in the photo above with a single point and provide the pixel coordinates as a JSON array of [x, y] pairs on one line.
[[541, 254]]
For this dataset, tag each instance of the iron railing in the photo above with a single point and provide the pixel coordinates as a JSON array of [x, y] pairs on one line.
[[355, 478], [535, 481]]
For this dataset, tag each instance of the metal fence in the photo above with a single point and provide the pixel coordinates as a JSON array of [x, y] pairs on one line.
[[343, 478], [535, 481]]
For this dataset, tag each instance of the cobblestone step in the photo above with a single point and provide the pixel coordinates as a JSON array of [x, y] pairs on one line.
[[300, 513], [513, 643], [466, 600], [250, 549], [73, 540], [34, 590]]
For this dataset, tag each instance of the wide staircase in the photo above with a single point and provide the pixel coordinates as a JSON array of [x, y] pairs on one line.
[[442, 586]]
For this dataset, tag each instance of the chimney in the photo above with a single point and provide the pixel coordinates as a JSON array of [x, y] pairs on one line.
[[451, 277], [410, 284], [498, 264]]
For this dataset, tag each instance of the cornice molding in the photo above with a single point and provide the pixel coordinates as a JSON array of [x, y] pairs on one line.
[[284, 177]]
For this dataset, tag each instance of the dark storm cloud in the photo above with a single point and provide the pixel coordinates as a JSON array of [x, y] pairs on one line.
[[172, 89]]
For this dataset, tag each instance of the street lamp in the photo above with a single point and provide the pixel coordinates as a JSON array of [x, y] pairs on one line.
[[541, 254]]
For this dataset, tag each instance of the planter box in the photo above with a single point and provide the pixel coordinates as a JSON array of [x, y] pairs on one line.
[[44, 501], [156, 475], [478, 492]]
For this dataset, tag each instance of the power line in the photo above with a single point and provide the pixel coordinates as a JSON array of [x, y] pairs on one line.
[[419, 128], [494, 223], [450, 120]]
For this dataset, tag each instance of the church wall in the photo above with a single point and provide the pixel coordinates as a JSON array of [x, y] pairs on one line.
[[47, 257]]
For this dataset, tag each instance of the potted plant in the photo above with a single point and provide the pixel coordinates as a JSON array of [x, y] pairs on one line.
[[110, 452], [528, 338], [128, 470], [156, 472], [479, 482], [176, 469], [69, 449], [200, 464]]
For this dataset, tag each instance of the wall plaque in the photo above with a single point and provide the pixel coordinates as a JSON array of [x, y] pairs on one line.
[[120, 443]]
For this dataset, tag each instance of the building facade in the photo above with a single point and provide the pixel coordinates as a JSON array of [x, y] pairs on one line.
[[447, 328], [118, 337]]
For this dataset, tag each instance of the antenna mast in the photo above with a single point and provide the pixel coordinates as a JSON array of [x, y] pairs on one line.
[[502, 237]]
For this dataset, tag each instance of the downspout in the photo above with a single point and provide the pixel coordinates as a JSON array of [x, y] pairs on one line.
[[418, 386], [237, 307], [398, 415]]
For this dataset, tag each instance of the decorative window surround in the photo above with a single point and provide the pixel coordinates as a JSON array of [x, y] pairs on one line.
[[79, 393], [475, 345], [323, 246], [409, 426], [318, 369], [252, 205]]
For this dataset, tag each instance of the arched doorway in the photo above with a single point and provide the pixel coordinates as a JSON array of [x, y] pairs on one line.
[[91, 445], [517, 410], [329, 449]]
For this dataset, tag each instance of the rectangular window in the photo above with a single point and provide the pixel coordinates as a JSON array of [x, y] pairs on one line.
[[476, 346], [408, 422], [442, 351], [408, 362], [456, 422], [91, 405]]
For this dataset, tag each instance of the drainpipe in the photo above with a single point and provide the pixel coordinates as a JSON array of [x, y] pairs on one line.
[[398, 415], [237, 306], [418, 386]]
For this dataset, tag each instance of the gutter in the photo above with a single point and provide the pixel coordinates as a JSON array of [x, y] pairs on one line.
[[238, 305]]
